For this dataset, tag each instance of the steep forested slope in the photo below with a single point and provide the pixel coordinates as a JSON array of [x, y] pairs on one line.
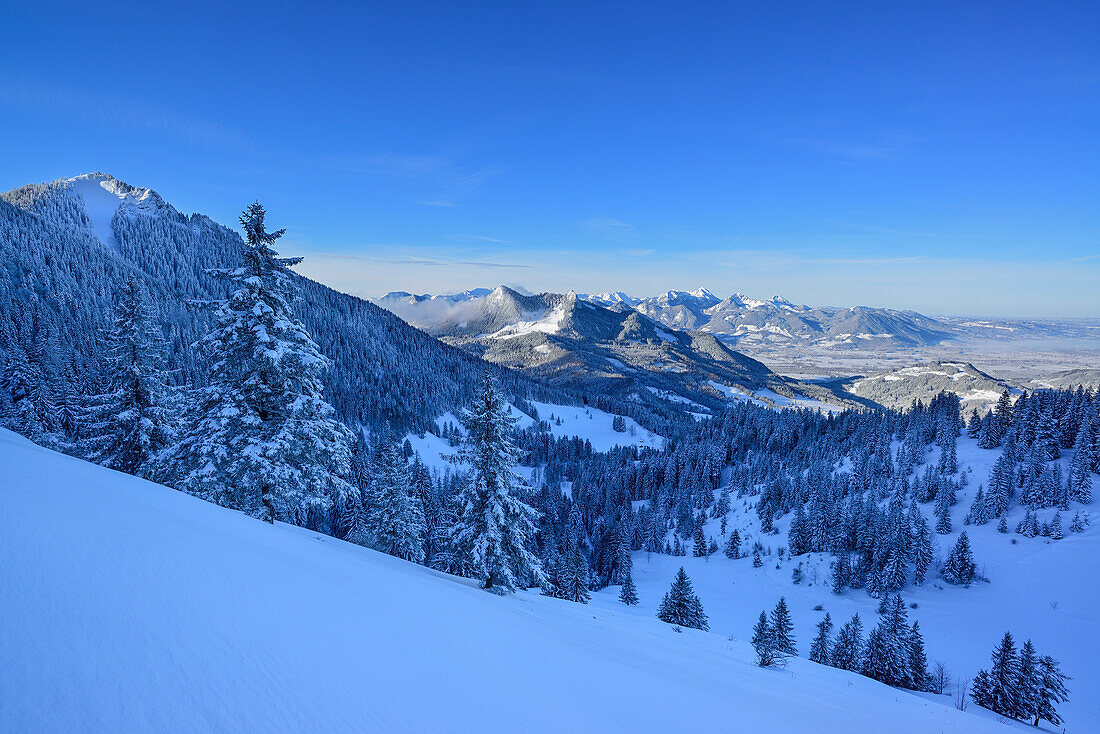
[[67, 245]]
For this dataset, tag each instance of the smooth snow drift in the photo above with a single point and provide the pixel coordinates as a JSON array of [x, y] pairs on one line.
[[127, 606]]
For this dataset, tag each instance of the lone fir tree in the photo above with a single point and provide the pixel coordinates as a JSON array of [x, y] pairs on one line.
[[130, 424], [494, 526], [681, 606], [960, 568], [263, 439], [628, 594]]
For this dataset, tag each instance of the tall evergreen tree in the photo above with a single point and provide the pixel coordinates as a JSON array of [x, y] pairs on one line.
[[997, 689], [783, 629], [848, 649], [571, 573], [888, 647], [1080, 476], [495, 525], [22, 382], [1051, 691], [699, 542], [920, 680], [763, 642], [263, 440], [681, 606], [821, 648], [960, 568], [1027, 682], [733, 545], [129, 425], [924, 551], [395, 512], [628, 594]]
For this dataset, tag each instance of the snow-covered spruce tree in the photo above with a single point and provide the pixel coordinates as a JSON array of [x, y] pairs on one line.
[[24, 383], [733, 545], [699, 543], [821, 648], [920, 680], [1080, 478], [681, 606], [395, 514], [628, 594], [783, 630], [762, 641], [996, 689], [887, 654], [960, 568], [924, 551], [494, 525], [1027, 682], [571, 572], [1051, 690], [262, 439], [348, 511], [848, 649], [129, 425]]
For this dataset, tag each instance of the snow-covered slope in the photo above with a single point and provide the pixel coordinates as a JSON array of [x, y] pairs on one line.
[[127, 606], [899, 388], [584, 422], [1039, 589], [103, 195]]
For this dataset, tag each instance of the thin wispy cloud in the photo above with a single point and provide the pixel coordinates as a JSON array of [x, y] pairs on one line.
[[419, 261], [881, 230], [476, 238], [1083, 258], [88, 107], [607, 228], [453, 180]]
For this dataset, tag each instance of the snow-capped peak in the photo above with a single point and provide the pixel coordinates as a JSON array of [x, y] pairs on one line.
[[103, 195]]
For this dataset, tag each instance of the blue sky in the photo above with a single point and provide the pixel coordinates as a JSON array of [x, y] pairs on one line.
[[937, 156]]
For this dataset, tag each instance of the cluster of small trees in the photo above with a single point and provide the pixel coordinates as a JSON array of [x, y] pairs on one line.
[[773, 639], [1021, 685], [893, 653]]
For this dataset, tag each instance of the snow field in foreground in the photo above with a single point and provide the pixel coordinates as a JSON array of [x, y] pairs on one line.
[[130, 607]]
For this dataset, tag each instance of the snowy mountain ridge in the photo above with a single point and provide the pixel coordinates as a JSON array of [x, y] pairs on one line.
[[742, 320], [580, 344]]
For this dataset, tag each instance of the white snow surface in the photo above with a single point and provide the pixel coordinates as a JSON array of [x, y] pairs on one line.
[[130, 607], [576, 421], [548, 322], [595, 425], [1038, 589]]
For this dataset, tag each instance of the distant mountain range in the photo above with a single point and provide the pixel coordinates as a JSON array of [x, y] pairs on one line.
[[737, 319], [747, 321], [600, 344]]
